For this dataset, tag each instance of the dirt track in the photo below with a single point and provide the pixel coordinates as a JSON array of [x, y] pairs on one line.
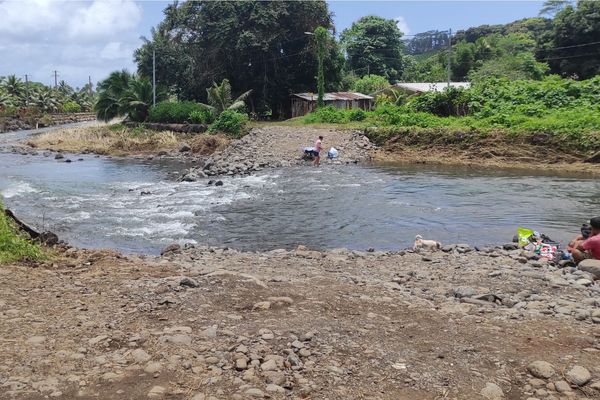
[[301, 324]]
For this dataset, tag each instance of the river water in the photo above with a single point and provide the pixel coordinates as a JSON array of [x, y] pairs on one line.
[[97, 202]]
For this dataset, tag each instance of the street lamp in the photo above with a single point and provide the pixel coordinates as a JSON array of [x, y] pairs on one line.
[[153, 69]]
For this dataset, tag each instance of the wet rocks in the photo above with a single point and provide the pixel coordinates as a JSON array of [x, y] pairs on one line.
[[172, 248], [59, 156]]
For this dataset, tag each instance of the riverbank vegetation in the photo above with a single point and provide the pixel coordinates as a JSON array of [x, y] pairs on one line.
[[14, 246], [119, 140], [563, 111]]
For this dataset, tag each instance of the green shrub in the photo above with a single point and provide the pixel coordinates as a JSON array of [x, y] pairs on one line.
[[327, 115], [71, 107], [230, 122], [14, 247], [201, 117], [357, 114], [173, 112]]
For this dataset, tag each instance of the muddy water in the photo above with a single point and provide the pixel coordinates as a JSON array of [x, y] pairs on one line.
[[97, 202]]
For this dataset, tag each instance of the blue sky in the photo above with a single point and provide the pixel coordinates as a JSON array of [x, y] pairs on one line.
[[91, 38]]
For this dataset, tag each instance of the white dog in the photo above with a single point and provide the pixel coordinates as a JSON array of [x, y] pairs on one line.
[[421, 243]]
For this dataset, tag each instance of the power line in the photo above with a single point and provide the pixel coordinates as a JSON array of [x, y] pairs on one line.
[[570, 47], [575, 56]]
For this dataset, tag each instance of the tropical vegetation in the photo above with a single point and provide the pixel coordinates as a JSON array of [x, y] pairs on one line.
[[565, 109]]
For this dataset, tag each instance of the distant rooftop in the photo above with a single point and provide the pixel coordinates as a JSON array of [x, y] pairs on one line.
[[334, 96], [431, 86]]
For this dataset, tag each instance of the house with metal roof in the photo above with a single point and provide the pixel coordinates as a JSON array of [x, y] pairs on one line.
[[422, 87], [304, 103]]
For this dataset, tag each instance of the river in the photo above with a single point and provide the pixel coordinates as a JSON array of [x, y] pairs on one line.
[[98, 202]]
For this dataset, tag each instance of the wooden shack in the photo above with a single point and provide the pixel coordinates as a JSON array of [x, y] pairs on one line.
[[304, 103]]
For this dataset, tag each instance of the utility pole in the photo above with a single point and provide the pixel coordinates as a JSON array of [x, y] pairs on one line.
[[449, 54], [368, 69], [153, 76], [26, 90], [90, 85], [55, 79]]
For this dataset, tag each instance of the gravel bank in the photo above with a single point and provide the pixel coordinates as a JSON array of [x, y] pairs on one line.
[[202, 323], [277, 146]]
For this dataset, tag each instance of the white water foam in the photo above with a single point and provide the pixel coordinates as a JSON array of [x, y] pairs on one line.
[[18, 189]]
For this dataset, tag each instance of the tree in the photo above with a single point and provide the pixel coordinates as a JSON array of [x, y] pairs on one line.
[[125, 95], [551, 7], [574, 49], [219, 98], [369, 84], [373, 46], [257, 45], [13, 86], [513, 67]]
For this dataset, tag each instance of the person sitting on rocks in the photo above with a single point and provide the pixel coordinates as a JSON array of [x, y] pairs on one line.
[[590, 247]]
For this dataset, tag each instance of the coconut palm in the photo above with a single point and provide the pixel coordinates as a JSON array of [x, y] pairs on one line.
[[110, 91], [46, 99], [125, 95], [13, 86], [219, 97], [136, 100]]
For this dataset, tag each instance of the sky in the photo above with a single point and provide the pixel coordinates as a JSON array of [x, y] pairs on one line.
[[89, 39]]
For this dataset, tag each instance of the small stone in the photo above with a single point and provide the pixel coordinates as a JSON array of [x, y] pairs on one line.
[[140, 356], [254, 392], [578, 376], [241, 364], [262, 305], [153, 367], [188, 282], [541, 369], [275, 388], [269, 365], [562, 386], [156, 392], [491, 391], [36, 340], [184, 148], [172, 248], [297, 344]]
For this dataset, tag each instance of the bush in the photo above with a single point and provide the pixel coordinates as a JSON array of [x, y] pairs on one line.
[[357, 114], [173, 112], [230, 122], [71, 107], [201, 117], [13, 247], [369, 84], [327, 115]]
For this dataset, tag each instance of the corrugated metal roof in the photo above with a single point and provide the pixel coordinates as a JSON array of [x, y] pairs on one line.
[[431, 86], [334, 96]]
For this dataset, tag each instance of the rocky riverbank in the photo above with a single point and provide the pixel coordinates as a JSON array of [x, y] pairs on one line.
[[205, 323]]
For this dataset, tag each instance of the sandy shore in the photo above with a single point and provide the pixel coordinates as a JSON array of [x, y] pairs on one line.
[[203, 323]]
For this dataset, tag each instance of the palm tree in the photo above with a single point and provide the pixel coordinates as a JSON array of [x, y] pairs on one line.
[[136, 100], [46, 99], [219, 97], [125, 95], [13, 86], [110, 91]]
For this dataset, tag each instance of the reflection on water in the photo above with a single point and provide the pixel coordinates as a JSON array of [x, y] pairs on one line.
[[98, 203]]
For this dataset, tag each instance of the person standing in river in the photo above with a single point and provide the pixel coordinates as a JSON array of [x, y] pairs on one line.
[[317, 151]]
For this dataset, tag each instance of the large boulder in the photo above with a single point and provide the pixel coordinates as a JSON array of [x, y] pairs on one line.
[[591, 266]]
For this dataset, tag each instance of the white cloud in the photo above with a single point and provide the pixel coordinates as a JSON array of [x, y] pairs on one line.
[[402, 25], [77, 38], [104, 18]]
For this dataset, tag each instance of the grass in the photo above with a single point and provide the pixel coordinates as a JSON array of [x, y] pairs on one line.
[[119, 140], [13, 246]]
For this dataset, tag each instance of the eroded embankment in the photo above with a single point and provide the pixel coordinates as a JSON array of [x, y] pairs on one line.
[[118, 140], [207, 323], [494, 149]]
